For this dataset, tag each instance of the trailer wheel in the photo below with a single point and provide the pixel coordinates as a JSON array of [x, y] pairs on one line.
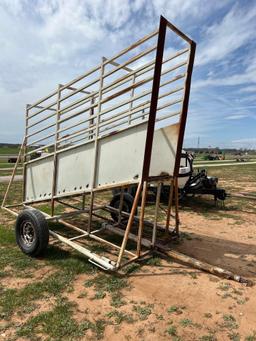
[[127, 205], [32, 233]]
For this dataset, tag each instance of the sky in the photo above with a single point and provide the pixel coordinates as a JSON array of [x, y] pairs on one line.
[[47, 42]]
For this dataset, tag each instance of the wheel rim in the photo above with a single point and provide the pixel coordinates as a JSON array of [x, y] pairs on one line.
[[28, 233]]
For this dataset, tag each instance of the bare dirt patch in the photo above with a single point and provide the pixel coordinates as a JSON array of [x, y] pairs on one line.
[[185, 302], [16, 282]]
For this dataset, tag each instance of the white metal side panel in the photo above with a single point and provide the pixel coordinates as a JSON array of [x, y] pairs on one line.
[[120, 156], [75, 169], [39, 176], [164, 150], [120, 159]]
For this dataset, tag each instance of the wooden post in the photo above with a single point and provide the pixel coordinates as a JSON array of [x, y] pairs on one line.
[[141, 221], [215, 270], [129, 224], [169, 210], [158, 195], [177, 222]]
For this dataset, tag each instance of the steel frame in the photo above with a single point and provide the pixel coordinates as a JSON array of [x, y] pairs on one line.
[[93, 131]]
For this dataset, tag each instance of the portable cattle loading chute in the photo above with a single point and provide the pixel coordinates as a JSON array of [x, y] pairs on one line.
[[122, 123]]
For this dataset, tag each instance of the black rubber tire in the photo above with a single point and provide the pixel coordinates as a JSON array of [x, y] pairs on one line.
[[35, 220], [127, 205], [131, 190], [166, 192]]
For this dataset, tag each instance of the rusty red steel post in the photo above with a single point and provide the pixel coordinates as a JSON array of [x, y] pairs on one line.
[[154, 98], [183, 118]]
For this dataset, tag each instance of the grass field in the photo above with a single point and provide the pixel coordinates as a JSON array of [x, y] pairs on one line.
[[14, 150], [5, 166], [63, 297]]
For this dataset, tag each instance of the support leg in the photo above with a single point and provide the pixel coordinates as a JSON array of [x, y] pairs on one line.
[[169, 210], [121, 205], [129, 224], [177, 222], [158, 195], [90, 212], [141, 222]]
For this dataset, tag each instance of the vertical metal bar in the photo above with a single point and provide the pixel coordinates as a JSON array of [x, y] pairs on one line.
[[184, 110], [158, 195], [83, 203], [142, 213], [129, 224], [131, 103], [169, 209], [121, 205], [24, 155], [55, 161], [95, 162], [92, 120], [177, 222], [154, 98]]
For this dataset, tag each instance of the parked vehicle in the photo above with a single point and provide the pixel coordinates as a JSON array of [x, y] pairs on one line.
[[189, 182], [12, 159]]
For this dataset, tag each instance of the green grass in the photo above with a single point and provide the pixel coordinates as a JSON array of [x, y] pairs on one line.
[[131, 268], [46, 208], [234, 336], [7, 236], [6, 165], [251, 337], [154, 261], [119, 317], [186, 322], [109, 284], [172, 331], [208, 337], [65, 265], [143, 311], [224, 286], [10, 150], [15, 193], [229, 322], [59, 324], [10, 256], [99, 295], [174, 309], [53, 285]]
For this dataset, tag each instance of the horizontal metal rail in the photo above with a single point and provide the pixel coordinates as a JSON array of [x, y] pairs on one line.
[[122, 92], [131, 100], [125, 78], [139, 71], [97, 68]]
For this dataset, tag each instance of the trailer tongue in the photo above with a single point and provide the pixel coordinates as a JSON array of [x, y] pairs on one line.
[[197, 183], [189, 183]]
